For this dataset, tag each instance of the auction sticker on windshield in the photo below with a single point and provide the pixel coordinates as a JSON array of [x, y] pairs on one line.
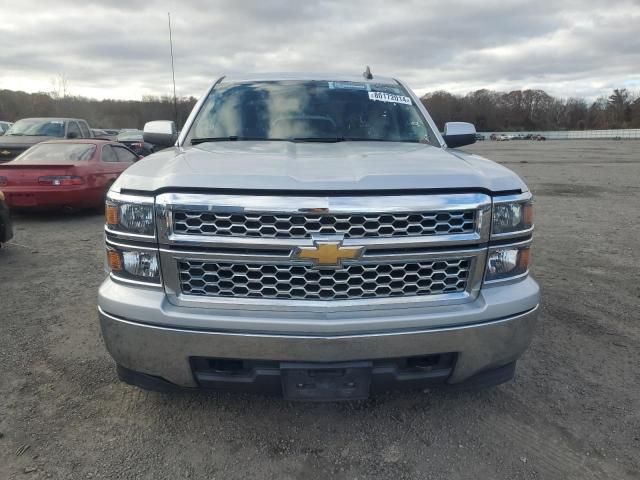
[[389, 97], [349, 85]]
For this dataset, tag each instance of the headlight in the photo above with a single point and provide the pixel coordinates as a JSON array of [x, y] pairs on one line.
[[511, 233], [512, 217], [130, 215], [507, 262], [133, 264]]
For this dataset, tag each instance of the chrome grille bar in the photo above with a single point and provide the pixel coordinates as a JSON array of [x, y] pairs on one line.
[[368, 225], [245, 220]]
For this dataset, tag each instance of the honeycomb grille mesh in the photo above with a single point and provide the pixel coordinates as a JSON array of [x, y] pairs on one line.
[[305, 225], [301, 282]]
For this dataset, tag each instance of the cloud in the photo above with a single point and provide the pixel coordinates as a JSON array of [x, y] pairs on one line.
[[110, 50]]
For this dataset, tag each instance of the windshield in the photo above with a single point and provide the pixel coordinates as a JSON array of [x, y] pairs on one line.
[[310, 111], [53, 153], [130, 136], [37, 127]]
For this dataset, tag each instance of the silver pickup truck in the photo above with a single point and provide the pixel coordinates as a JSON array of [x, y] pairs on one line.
[[316, 236]]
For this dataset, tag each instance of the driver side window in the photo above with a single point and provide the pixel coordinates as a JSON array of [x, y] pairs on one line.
[[85, 130], [108, 155], [73, 130]]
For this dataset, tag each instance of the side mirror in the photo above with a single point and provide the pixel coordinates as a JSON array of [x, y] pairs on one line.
[[457, 134], [72, 135], [160, 132]]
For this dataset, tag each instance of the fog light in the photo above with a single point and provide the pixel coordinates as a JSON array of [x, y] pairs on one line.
[[140, 265], [507, 262]]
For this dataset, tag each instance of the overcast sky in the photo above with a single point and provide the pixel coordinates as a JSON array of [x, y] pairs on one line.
[[117, 49]]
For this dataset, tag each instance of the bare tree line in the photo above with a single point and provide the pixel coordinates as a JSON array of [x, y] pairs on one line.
[[99, 113], [519, 110], [531, 110]]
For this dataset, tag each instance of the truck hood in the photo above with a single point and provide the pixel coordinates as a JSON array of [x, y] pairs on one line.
[[322, 167], [13, 145]]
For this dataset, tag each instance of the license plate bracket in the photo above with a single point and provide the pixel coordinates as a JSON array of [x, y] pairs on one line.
[[23, 200], [313, 382]]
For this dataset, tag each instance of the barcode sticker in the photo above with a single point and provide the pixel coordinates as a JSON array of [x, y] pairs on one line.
[[389, 97]]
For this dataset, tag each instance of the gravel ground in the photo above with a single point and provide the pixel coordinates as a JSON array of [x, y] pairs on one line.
[[572, 412]]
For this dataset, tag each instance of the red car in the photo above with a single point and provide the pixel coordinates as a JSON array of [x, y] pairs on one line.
[[67, 173]]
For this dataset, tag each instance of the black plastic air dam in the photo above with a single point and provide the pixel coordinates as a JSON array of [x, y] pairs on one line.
[[268, 381]]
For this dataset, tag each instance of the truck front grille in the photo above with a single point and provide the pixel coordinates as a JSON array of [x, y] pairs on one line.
[[237, 250], [9, 153], [305, 225], [308, 282]]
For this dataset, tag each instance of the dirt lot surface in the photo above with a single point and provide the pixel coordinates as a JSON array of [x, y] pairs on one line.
[[572, 412]]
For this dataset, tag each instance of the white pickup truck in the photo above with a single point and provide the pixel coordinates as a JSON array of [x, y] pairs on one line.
[[316, 236]]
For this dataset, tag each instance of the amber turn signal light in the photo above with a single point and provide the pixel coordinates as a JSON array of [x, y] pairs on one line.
[[115, 260], [112, 215], [528, 214], [524, 257]]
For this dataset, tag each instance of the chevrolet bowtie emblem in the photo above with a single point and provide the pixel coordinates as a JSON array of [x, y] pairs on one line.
[[328, 254], [5, 152]]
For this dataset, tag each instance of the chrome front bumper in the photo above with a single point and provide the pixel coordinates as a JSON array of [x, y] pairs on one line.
[[163, 350]]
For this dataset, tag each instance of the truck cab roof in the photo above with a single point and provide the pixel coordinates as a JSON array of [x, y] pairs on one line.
[[309, 76], [311, 132]]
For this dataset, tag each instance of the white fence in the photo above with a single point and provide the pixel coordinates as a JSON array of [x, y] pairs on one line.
[[620, 134]]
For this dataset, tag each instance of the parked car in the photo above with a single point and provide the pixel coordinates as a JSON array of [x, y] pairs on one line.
[[101, 134], [6, 228], [316, 237], [134, 140], [539, 138], [104, 134], [69, 174], [30, 131], [4, 126], [503, 138]]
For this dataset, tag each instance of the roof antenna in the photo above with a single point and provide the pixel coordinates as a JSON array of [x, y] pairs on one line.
[[367, 73], [173, 74]]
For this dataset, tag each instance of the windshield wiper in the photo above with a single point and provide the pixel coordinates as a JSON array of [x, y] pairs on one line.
[[316, 139], [231, 138], [363, 139]]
